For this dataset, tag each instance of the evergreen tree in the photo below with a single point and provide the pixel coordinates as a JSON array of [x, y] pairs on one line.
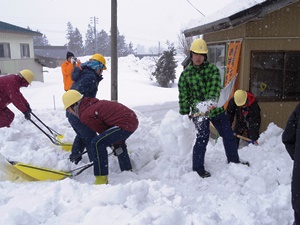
[[165, 71], [131, 51], [40, 40], [122, 47], [75, 40], [78, 43], [70, 31], [89, 47], [103, 43]]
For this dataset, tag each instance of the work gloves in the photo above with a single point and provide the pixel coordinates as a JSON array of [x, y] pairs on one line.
[[75, 158], [27, 113]]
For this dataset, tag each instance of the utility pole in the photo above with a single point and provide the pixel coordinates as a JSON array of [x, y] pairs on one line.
[[95, 21], [158, 49], [114, 51]]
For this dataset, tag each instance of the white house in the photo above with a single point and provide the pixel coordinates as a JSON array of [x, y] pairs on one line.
[[17, 52]]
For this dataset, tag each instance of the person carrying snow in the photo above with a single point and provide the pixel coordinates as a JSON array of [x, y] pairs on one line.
[[291, 140], [67, 68], [113, 122], [86, 80], [200, 83], [10, 93], [246, 111]]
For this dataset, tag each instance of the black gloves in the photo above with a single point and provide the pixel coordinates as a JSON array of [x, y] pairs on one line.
[[27, 113], [75, 158]]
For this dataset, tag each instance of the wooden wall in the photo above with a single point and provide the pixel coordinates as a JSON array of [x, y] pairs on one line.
[[279, 30]]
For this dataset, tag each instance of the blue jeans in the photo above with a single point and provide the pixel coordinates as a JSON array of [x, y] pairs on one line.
[[83, 138], [109, 138], [222, 125]]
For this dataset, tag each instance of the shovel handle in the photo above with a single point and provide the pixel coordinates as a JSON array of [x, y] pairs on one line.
[[49, 128], [50, 137], [245, 138]]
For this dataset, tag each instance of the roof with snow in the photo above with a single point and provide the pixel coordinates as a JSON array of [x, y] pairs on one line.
[[250, 11]]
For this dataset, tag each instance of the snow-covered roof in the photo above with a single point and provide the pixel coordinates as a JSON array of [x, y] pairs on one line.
[[234, 14]]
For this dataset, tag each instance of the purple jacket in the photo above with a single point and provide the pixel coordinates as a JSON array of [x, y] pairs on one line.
[[10, 92]]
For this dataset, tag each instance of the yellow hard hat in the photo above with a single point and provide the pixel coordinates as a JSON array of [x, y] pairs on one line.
[[28, 75], [99, 58], [199, 46], [240, 97], [71, 97]]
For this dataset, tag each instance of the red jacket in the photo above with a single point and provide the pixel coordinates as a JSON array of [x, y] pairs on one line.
[[10, 92], [101, 115]]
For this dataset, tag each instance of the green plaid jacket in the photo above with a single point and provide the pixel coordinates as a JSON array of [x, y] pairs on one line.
[[197, 84]]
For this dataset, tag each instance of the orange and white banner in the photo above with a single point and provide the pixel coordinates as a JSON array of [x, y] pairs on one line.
[[232, 61]]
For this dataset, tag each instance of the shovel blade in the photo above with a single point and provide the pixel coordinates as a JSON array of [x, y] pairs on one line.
[[40, 173], [65, 146]]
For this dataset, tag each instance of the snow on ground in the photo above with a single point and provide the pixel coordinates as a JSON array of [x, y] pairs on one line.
[[162, 189]]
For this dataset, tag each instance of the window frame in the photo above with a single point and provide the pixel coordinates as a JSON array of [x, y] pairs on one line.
[[6, 53], [24, 50], [282, 80], [215, 61]]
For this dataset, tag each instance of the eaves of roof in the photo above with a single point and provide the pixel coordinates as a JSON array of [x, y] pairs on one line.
[[6, 27], [55, 52], [253, 13]]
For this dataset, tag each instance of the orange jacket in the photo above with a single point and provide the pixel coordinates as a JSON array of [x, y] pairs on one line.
[[67, 69]]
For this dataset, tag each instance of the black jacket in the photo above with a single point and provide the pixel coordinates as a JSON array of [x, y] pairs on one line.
[[247, 118], [291, 140]]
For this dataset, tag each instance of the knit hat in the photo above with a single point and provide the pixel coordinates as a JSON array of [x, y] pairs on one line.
[[93, 64], [69, 54]]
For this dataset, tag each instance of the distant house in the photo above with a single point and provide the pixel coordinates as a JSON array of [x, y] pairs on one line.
[[268, 38], [51, 56], [16, 50]]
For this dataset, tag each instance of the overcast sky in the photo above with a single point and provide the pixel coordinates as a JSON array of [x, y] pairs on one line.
[[144, 22]]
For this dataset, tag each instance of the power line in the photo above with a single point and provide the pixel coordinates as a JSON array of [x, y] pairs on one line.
[[195, 8]]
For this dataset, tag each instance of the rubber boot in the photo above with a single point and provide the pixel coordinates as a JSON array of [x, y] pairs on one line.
[[101, 180]]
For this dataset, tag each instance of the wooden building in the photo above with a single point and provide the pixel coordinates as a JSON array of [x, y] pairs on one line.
[[268, 37]]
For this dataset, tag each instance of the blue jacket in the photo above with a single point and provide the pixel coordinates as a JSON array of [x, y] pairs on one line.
[[86, 81]]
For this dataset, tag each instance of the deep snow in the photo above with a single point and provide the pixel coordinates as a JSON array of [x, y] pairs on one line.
[[162, 189]]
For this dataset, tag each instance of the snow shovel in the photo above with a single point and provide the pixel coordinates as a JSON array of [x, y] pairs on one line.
[[223, 98], [43, 174], [246, 139], [55, 137]]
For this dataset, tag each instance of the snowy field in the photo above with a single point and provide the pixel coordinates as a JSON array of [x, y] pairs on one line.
[[162, 189]]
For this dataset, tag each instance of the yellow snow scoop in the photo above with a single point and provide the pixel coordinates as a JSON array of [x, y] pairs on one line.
[[65, 146], [54, 136], [42, 174], [9, 172]]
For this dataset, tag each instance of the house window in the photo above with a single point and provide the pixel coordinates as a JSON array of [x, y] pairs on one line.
[[25, 51], [275, 75], [216, 56], [4, 50]]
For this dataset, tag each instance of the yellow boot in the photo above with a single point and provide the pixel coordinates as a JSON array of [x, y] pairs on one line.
[[101, 180]]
